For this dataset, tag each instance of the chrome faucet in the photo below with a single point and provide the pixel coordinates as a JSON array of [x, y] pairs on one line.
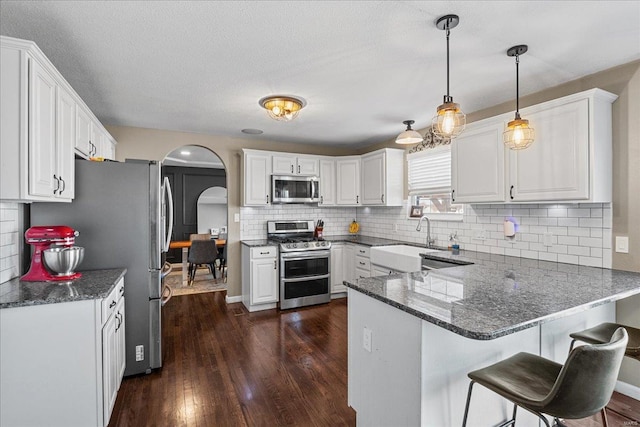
[[430, 241]]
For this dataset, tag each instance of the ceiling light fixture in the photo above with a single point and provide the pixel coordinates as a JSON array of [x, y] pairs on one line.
[[185, 153], [282, 108], [518, 134], [409, 136], [449, 121]]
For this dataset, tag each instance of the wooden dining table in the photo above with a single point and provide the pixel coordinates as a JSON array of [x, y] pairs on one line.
[[185, 245]]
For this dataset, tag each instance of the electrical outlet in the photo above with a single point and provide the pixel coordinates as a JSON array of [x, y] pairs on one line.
[[139, 353], [236, 217], [481, 235], [622, 244], [395, 227], [366, 339]]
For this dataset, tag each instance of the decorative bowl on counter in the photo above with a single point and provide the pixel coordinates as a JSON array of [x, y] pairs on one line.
[[63, 260]]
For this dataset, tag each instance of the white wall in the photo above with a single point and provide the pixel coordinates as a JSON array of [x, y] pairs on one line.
[[581, 233], [10, 241], [211, 216]]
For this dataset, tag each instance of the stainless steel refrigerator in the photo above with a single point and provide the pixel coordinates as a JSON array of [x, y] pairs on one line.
[[124, 214]]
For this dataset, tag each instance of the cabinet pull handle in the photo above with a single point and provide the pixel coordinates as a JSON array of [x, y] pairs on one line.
[[267, 199], [361, 251], [298, 168], [264, 253], [291, 168], [113, 303], [382, 198], [511, 192], [275, 264], [122, 290], [453, 195], [357, 199], [361, 263], [64, 185], [57, 184], [322, 200]]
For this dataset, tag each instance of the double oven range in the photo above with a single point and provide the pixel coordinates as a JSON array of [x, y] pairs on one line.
[[305, 263]]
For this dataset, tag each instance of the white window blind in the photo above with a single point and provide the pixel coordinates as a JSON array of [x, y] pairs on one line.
[[430, 171]]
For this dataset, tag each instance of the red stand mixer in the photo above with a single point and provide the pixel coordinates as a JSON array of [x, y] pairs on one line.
[[43, 238]]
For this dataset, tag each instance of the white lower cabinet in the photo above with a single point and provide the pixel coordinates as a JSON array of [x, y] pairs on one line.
[[260, 280], [338, 268], [62, 364]]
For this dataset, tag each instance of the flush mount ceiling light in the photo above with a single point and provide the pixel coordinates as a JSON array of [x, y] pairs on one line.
[[449, 121], [282, 108], [409, 136], [518, 134]]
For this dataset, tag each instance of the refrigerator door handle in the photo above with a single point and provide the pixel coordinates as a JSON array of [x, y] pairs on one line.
[[169, 196], [167, 293], [166, 269]]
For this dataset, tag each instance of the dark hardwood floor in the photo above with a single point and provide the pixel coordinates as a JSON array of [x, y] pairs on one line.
[[224, 366]]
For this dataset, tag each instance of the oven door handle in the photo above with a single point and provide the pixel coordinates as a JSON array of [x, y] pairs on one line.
[[305, 257], [305, 279]]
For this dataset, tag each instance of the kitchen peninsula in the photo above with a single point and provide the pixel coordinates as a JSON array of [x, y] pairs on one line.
[[413, 337]]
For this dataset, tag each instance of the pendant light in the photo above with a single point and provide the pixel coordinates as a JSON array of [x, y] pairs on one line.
[[449, 121], [409, 136], [518, 134], [282, 108]]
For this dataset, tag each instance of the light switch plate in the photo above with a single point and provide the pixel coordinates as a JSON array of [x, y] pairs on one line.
[[236, 217], [622, 244]]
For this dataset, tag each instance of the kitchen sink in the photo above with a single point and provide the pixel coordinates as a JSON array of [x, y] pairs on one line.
[[402, 258]]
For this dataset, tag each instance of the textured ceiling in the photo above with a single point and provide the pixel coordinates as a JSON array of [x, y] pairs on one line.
[[363, 67]]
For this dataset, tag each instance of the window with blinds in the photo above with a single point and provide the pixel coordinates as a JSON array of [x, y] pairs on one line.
[[429, 179]]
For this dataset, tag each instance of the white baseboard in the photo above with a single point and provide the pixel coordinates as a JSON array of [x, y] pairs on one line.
[[231, 300], [628, 390]]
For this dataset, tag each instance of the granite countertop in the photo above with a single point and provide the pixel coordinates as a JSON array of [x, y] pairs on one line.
[[94, 284], [257, 243], [498, 295]]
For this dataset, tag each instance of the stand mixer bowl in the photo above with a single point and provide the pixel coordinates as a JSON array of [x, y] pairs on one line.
[[63, 260]]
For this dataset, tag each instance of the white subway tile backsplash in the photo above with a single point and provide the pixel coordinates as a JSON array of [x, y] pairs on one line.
[[579, 233], [10, 235]]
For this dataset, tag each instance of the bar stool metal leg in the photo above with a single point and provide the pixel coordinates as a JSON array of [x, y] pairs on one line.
[[466, 408]]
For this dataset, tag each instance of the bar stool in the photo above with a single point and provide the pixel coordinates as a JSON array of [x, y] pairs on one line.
[[578, 389], [602, 333]]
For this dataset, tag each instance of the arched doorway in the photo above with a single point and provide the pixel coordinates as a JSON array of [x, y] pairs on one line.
[[193, 170]]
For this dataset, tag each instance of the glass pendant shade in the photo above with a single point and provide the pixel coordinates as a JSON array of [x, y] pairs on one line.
[[282, 108], [518, 134], [449, 121], [409, 136]]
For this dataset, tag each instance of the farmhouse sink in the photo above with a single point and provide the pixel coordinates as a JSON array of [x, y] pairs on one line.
[[402, 258]]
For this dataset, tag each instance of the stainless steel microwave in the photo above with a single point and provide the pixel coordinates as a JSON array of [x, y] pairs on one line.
[[294, 189]]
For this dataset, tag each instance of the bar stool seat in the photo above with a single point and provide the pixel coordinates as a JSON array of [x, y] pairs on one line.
[[578, 389], [603, 332]]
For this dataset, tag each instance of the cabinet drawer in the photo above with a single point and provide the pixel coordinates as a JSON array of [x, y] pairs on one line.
[[362, 273], [264, 252], [363, 263], [109, 303], [362, 251]]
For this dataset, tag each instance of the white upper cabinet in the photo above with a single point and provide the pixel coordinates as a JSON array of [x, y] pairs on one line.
[[477, 163], [83, 144], [348, 180], [43, 173], [569, 160], [327, 182], [288, 164], [66, 137], [382, 177], [42, 121], [556, 165], [257, 178]]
